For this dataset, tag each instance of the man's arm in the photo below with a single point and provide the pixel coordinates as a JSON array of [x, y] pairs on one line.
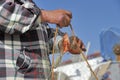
[[60, 17]]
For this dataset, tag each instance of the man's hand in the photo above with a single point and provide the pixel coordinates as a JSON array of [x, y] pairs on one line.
[[60, 17], [76, 45], [72, 44]]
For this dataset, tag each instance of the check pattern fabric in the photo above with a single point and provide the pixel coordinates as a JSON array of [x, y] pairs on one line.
[[24, 43]]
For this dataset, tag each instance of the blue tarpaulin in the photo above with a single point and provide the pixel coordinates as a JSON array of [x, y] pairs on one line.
[[108, 39]]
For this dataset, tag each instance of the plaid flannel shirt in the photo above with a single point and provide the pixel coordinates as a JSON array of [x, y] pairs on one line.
[[24, 43]]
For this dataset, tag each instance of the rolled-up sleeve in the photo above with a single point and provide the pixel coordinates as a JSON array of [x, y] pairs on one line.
[[18, 18]]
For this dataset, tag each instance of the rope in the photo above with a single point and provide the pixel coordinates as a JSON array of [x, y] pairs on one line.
[[72, 30], [81, 52], [53, 51], [59, 59], [89, 65]]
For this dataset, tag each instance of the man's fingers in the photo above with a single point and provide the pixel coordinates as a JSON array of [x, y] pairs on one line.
[[82, 46], [68, 20], [64, 21], [68, 13]]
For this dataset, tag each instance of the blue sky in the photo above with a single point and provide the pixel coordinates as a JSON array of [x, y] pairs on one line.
[[90, 17]]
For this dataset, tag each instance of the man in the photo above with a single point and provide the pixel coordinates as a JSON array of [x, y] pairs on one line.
[[25, 39]]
